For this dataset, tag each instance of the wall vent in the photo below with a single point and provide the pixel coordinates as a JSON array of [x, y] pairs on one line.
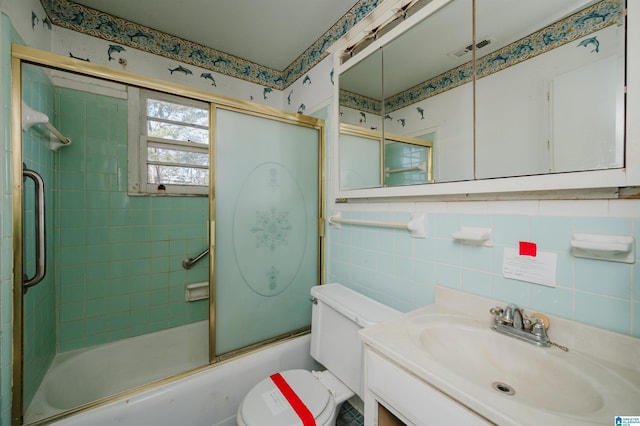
[[484, 42]]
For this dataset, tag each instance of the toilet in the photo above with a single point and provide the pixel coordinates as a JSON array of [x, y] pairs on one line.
[[300, 397]]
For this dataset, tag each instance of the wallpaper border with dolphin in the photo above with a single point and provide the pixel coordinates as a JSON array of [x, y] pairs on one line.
[[571, 28], [73, 16]]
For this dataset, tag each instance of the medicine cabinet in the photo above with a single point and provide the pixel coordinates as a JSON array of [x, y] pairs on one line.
[[512, 95]]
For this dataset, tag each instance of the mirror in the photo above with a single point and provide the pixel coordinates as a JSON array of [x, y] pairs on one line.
[[361, 93], [428, 95], [360, 157], [428, 88], [550, 87], [360, 153], [407, 161], [549, 92]]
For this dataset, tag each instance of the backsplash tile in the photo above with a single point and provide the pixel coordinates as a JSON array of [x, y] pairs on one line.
[[507, 228], [603, 225], [565, 269], [636, 319], [550, 233], [476, 282], [603, 311], [635, 287], [448, 251], [478, 258], [402, 271], [515, 291], [606, 278]]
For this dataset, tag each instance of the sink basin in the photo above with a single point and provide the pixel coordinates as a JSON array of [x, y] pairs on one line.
[[449, 346], [545, 378]]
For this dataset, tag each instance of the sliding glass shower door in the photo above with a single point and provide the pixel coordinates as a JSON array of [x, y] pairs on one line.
[[267, 245]]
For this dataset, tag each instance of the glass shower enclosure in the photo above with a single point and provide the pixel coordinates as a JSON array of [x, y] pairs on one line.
[[114, 260]]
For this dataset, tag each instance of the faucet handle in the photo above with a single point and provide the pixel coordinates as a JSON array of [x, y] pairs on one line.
[[509, 311], [499, 315], [538, 329], [497, 311]]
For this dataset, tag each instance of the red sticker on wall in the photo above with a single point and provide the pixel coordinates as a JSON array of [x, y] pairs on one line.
[[528, 249]]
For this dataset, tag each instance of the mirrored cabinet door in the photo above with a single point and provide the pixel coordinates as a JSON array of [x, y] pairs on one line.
[[359, 145], [499, 89], [550, 86], [428, 90]]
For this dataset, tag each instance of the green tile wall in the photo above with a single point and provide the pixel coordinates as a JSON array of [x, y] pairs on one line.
[[39, 318], [402, 155], [402, 271], [118, 264]]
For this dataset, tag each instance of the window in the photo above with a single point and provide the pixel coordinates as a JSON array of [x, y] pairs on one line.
[[173, 151]]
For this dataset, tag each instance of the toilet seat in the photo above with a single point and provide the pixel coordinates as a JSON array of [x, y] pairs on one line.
[[265, 405]]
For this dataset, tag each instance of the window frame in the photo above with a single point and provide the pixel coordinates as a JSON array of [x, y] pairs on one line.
[[139, 142]]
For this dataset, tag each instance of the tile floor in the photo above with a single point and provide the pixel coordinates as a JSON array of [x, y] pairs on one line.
[[349, 416]]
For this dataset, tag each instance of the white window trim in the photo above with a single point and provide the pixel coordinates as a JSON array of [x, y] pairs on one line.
[[137, 147]]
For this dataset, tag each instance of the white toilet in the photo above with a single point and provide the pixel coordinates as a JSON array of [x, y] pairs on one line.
[[337, 315]]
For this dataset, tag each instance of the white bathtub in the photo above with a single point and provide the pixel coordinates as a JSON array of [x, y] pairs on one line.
[[209, 397], [85, 375]]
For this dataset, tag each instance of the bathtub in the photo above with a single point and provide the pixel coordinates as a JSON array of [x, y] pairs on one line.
[[81, 376], [208, 397]]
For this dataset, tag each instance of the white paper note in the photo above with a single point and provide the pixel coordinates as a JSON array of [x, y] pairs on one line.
[[539, 269]]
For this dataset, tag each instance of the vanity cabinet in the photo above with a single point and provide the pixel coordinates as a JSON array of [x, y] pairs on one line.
[[411, 400]]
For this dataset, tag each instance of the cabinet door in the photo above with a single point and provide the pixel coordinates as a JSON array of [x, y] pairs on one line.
[[415, 400]]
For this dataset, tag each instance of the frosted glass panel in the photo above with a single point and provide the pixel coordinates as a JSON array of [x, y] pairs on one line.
[[266, 203]]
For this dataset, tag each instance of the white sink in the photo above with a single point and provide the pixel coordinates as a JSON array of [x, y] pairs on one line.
[[508, 381], [546, 378]]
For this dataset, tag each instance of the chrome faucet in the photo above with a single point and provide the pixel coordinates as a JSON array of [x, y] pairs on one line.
[[513, 322]]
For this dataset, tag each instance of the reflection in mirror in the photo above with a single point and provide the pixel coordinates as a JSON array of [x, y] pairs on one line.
[[111, 301], [361, 93], [407, 161], [360, 157], [428, 85], [550, 88], [428, 88]]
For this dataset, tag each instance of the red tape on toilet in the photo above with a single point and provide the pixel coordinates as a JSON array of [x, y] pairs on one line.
[[294, 400]]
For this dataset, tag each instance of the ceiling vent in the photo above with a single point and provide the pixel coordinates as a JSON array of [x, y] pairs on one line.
[[484, 42]]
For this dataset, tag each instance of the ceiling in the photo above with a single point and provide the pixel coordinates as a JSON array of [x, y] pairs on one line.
[[271, 33]]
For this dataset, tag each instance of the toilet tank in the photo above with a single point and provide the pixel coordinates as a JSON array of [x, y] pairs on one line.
[[337, 315]]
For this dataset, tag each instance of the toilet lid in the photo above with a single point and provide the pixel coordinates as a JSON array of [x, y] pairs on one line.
[[265, 405]]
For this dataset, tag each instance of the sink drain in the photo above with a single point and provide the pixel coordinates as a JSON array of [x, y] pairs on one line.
[[503, 388]]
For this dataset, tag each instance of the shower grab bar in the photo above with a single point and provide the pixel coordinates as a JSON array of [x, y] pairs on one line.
[[41, 253], [188, 262]]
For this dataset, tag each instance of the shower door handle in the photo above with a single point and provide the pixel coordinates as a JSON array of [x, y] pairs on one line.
[[41, 253]]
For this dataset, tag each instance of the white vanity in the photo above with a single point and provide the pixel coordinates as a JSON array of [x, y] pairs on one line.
[[442, 364], [501, 93]]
